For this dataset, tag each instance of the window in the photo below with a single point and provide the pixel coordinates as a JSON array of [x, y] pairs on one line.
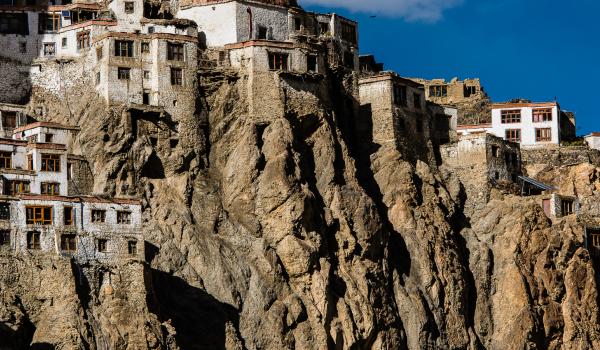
[[594, 237], [129, 7], [5, 160], [48, 22], [262, 32], [147, 74], [124, 48], [297, 24], [349, 60], [64, 42], [150, 30], [39, 215], [101, 245], [567, 206], [99, 52], [543, 135], [33, 240], [495, 151], [32, 139], [513, 135], [176, 76], [174, 52], [83, 40], [51, 162], [124, 217], [98, 215], [511, 116], [17, 187], [4, 237], [124, 73], [438, 91], [30, 161], [145, 47], [470, 90], [541, 115], [400, 98], [323, 28], [68, 243], [349, 33], [417, 100], [132, 247], [278, 61], [50, 188], [146, 97], [68, 217], [9, 120], [14, 23], [311, 63], [49, 49], [69, 171], [23, 47], [4, 211], [98, 78], [49, 138]]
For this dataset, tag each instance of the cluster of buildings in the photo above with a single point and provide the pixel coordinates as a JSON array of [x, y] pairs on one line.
[[149, 54], [45, 205]]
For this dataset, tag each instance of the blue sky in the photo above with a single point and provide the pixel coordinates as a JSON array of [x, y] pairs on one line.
[[534, 49]]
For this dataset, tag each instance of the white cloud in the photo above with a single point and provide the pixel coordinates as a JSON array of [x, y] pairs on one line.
[[413, 10]]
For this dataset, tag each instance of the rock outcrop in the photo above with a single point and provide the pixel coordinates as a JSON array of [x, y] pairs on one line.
[[272, 224]]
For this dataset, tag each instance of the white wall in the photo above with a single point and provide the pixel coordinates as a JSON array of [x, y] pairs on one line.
[[216, 22], [593, 141], [527, 126]]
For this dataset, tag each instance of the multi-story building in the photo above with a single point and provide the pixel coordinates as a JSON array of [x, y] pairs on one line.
[[37, 214], [456, 91], [531, 124]]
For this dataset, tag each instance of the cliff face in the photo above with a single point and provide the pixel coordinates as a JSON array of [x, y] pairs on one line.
[[271, 224]]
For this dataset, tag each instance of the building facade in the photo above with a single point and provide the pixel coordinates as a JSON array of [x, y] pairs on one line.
[[530, 124]]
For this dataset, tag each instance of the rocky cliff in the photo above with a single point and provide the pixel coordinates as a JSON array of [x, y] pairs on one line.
[[272, 223]]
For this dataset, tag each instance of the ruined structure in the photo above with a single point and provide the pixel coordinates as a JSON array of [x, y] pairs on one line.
[[230, 174]]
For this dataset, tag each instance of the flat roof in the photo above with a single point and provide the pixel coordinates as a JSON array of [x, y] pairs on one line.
[[388, 75], [45, 125], [474, 126], [524, 104]]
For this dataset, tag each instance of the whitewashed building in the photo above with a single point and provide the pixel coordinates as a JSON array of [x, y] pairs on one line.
[[593, 140], [530, 124], [38, 216]]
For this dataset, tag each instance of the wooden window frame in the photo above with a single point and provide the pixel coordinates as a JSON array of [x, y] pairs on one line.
[[48, 23], [9, 120], [567, 207], [176, 76], [51, 162], [68, 216], [124, 73], [594, 237], [278, 61], [542, 115], [124, 48], [543, 134], [50, 188], [175, 51], [98, 216], [36, 215], [123, 217], [68, 243], [508, 135], [18, 187], [5, 160], [132, 248], [438, 91], [83, 40], [34, 240], [510, 116]]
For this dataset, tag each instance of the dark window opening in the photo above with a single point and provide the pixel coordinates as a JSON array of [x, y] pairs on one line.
[[495, 151], [4, 237], [349, 33], [417, 101], [297, 24], [124, 73], [101, 245], [174, 52], [311, 63], [278, 61], [4, 211], [132, 247], [68, 216], [129, 7], [262, 32], [124, 48], [68, 243], [33, 240], [567, 206], [349, 60], [400, 97], [98, 215], [176, 76], [14, 23]]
